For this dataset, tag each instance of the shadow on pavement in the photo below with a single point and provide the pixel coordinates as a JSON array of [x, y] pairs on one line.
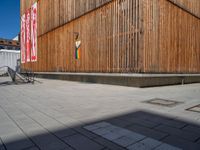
[[8, 83], [170, 132]]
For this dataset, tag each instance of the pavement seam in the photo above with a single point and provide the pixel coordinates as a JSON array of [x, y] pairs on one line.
[[19, 127], [47, 130], [67, 126]]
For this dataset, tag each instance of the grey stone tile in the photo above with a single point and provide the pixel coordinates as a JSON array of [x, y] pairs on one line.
[[174, 123], [97, 126], [112, 128], [85, 132], [48, 142], [126, 141], [135, 136], [108, 144], [122, 132], [2, 148], [161, 120], [101, 131], [8, 128], [64, 133], [180, 133], [67, 148], [111, 132], [198, 142], [181, 143], [40, 136], [91, 127], [105, 100], [106, 149], [102, 124], [192, 128], [18, 144], [26, 122], [80, 142], [141, 122], [148, 132], [120, 136], [112, 136], [33, 148], [119, 122], [167, 147], [146, 144]]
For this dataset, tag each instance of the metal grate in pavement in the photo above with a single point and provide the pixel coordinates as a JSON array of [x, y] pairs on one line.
[[194, 108], [163, 102]]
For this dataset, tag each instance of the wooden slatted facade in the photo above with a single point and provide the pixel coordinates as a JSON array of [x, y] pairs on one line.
[[192, 6], [171, 38], [126, 36]]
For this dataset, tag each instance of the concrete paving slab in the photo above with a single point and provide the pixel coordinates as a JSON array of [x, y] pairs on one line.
[[119, 122], [148, 132], [193, 129], [2, 148], [54, 108], [33, 148], [80, 142], [110, 145], [179, 133], [181, 143], [167, 147], [126, 141], [141, 122], [64, 133], [48, 142], [146, 144], [85, 132], [101, 131], [16, 144], [112, 136]]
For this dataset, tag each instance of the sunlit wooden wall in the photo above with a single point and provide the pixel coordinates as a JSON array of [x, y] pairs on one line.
[[110, 41], [127, 36], [192, 6], [171, 38], [55, 13]]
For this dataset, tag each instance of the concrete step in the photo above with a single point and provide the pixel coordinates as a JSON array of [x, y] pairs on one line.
[[133, 80]]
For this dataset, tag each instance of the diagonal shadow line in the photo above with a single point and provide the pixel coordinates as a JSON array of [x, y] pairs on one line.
[[179, 133]]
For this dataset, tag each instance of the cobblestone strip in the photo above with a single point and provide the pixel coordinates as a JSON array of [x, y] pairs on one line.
[[126, 138]]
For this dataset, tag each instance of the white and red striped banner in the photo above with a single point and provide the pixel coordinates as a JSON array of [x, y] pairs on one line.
[[23, 39], [28, 35], [34, 32]]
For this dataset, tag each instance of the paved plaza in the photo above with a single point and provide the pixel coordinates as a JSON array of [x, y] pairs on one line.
[[63, 115]]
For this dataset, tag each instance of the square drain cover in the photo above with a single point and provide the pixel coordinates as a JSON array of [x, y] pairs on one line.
[[163, 102], [195, 109]]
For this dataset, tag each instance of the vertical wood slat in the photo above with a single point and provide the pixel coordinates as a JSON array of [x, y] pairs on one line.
[[171, 37], [98, 32], [55, 13], [121, 36], [192, 6]]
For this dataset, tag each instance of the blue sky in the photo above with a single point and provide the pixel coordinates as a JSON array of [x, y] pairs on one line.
[[9, 18]]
